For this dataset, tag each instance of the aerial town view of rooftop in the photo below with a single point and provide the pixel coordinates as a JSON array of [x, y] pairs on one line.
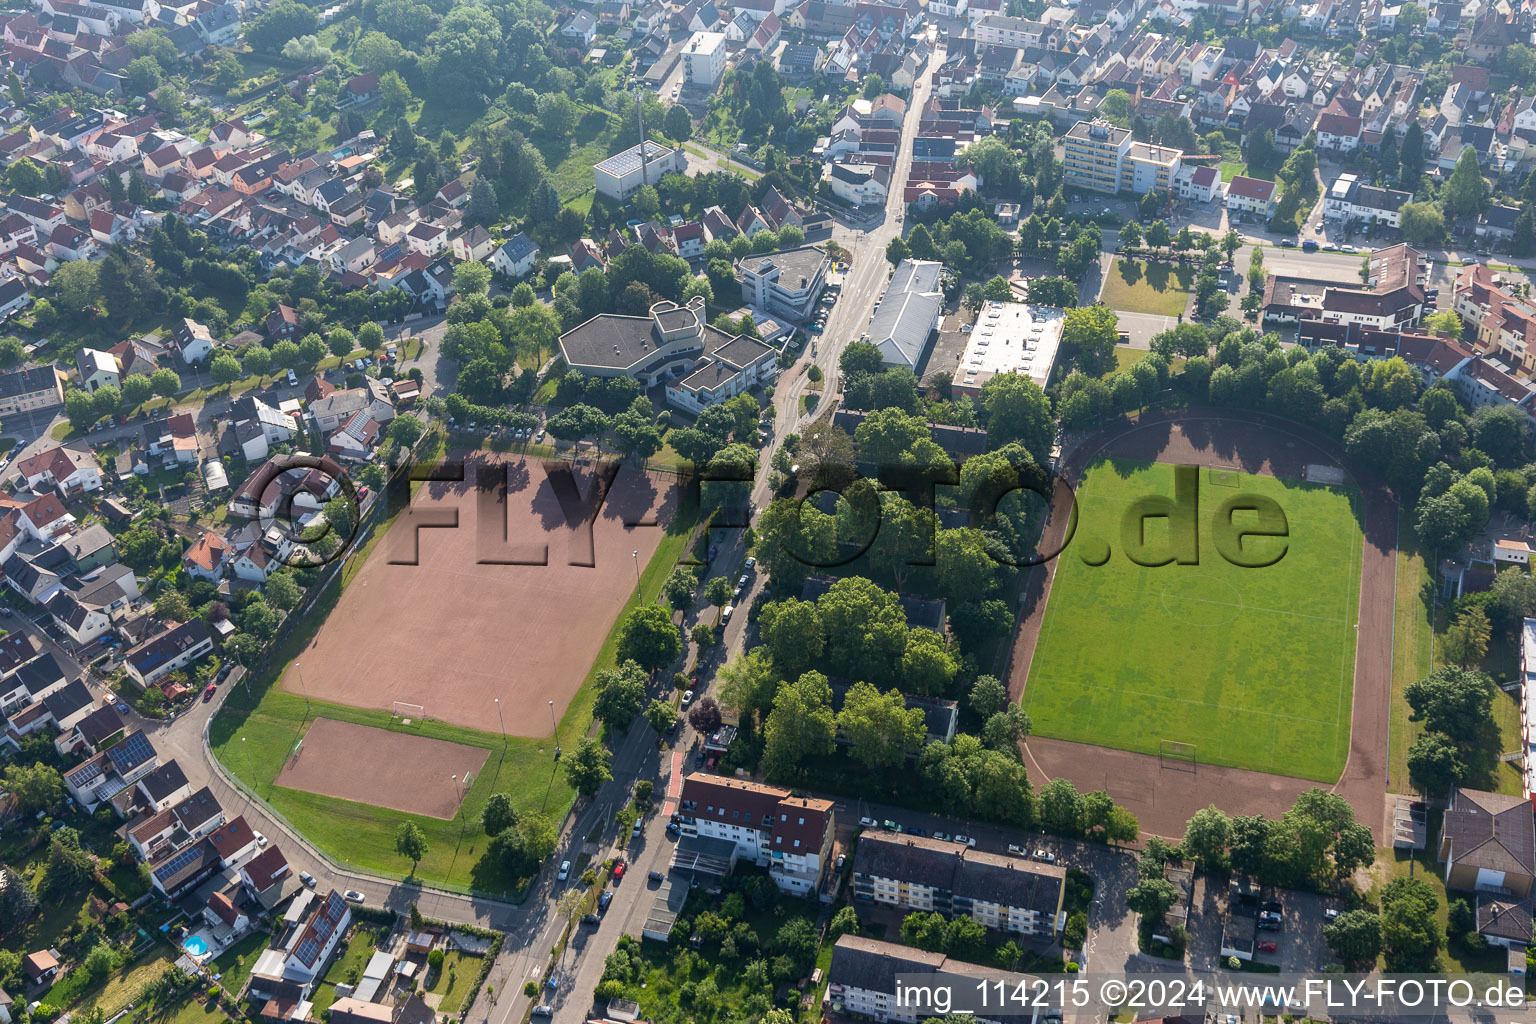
[[767, 511]]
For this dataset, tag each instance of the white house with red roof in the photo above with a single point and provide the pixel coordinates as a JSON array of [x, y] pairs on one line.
[[1197, 182], [206, 559], [1251, 195], [67, 470], [790, 835]]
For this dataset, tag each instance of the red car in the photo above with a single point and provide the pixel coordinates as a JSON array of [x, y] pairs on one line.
[[209, 692], [618, 869], [1266, 947]]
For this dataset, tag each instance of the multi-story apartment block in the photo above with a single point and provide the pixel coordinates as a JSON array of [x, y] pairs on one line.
[[704, 59], [1103, 158], [862, 981], [1501, 323], [1007, 893], [789, 835], [1094, 153]]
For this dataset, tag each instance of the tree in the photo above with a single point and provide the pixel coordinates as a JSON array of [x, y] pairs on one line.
[[143, 75], [1446, 322], [36, 787], [648, 637], [1206, 836], [1453, 701], [881, 730], [1355, 936], [1434, 763], [282, 591], [537, 834], [988, 696], [279, 23], [1411, 17], [1466, 641], [588, 766], [705, 716], [1152, 897], [1410, 932], [844, 922], [660, 714], [471, 278], [800, 726], [677, 123], [1466, 191], [411, 843], [484, 205], [137, 390], [620, 695], [1093, 331], [24, 177], [1018, 411], [895, 250], [1411, 157], [1061, 808], [747, 682], [498, 815]]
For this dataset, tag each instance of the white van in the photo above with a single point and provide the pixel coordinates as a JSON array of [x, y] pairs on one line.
[[725, 613], [293, 380]]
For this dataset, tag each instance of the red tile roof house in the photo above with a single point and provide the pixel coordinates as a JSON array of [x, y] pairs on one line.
[[283, 322], [362, 88], [205, 559]]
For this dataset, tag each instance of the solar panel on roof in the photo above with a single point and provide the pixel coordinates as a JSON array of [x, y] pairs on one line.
[[178, 862], [132, 750], [308, 950]]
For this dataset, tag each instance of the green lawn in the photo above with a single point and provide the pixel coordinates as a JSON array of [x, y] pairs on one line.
[[1127, 357], [1145, 287], [234, 965], [190, 1011], [347, 968], [1252, 665], [454, 980], [256, 729], [1231, 170], [1421, 864]]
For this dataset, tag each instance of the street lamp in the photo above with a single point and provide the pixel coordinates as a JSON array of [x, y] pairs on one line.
[[303, 687], [555, 728], [636, 554], [249, 766], [503, 721]]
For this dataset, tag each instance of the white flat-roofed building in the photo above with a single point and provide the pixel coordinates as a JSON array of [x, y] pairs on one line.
[[621, 175], [704, 59], [1010, 337], [784, 283]]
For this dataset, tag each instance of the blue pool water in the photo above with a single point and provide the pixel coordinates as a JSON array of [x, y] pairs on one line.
[[195, 945]]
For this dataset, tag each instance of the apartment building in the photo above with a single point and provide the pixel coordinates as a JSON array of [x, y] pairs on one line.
[[1094, 153], [1100, 157], [789, 835], [1006, 893], [1251, 195], [1349, 198], [862, 982], [1501, 322], [1392, 296], [704, 59]]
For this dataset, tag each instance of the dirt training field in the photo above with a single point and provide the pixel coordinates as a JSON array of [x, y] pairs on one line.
[[1164, 792], [477, 617], [382, 768]]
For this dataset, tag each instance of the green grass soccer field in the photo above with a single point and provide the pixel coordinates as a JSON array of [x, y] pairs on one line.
[[1253, 667]]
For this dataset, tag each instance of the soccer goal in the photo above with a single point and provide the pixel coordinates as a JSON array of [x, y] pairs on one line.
[[406, 713], [1223, 478], [1177, 754]]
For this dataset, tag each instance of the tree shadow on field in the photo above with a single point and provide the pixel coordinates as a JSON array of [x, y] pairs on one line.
[[633, 498], [1158, 276], [1131, 272]]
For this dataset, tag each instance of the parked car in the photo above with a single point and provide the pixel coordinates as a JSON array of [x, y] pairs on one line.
[[603, 901], [656, 876], [1045, 855], [751, 563], [687, 697], [634, 833], [1309, 245], [890, 826], [869, 823], [964, 840], [589, 920], [543, 1010], [941, 835], [261, 840], [307, 878], [1267, 947], [1015, 848], [353, 896], [618, 869], [565, 870], [209, 692], [1330, 914], [673, 828]]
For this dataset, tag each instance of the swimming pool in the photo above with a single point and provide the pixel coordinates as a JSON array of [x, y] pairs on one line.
[[196, 945]]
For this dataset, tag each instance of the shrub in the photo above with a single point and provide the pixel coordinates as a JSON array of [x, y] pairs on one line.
[[435, 959], [530, 989]]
